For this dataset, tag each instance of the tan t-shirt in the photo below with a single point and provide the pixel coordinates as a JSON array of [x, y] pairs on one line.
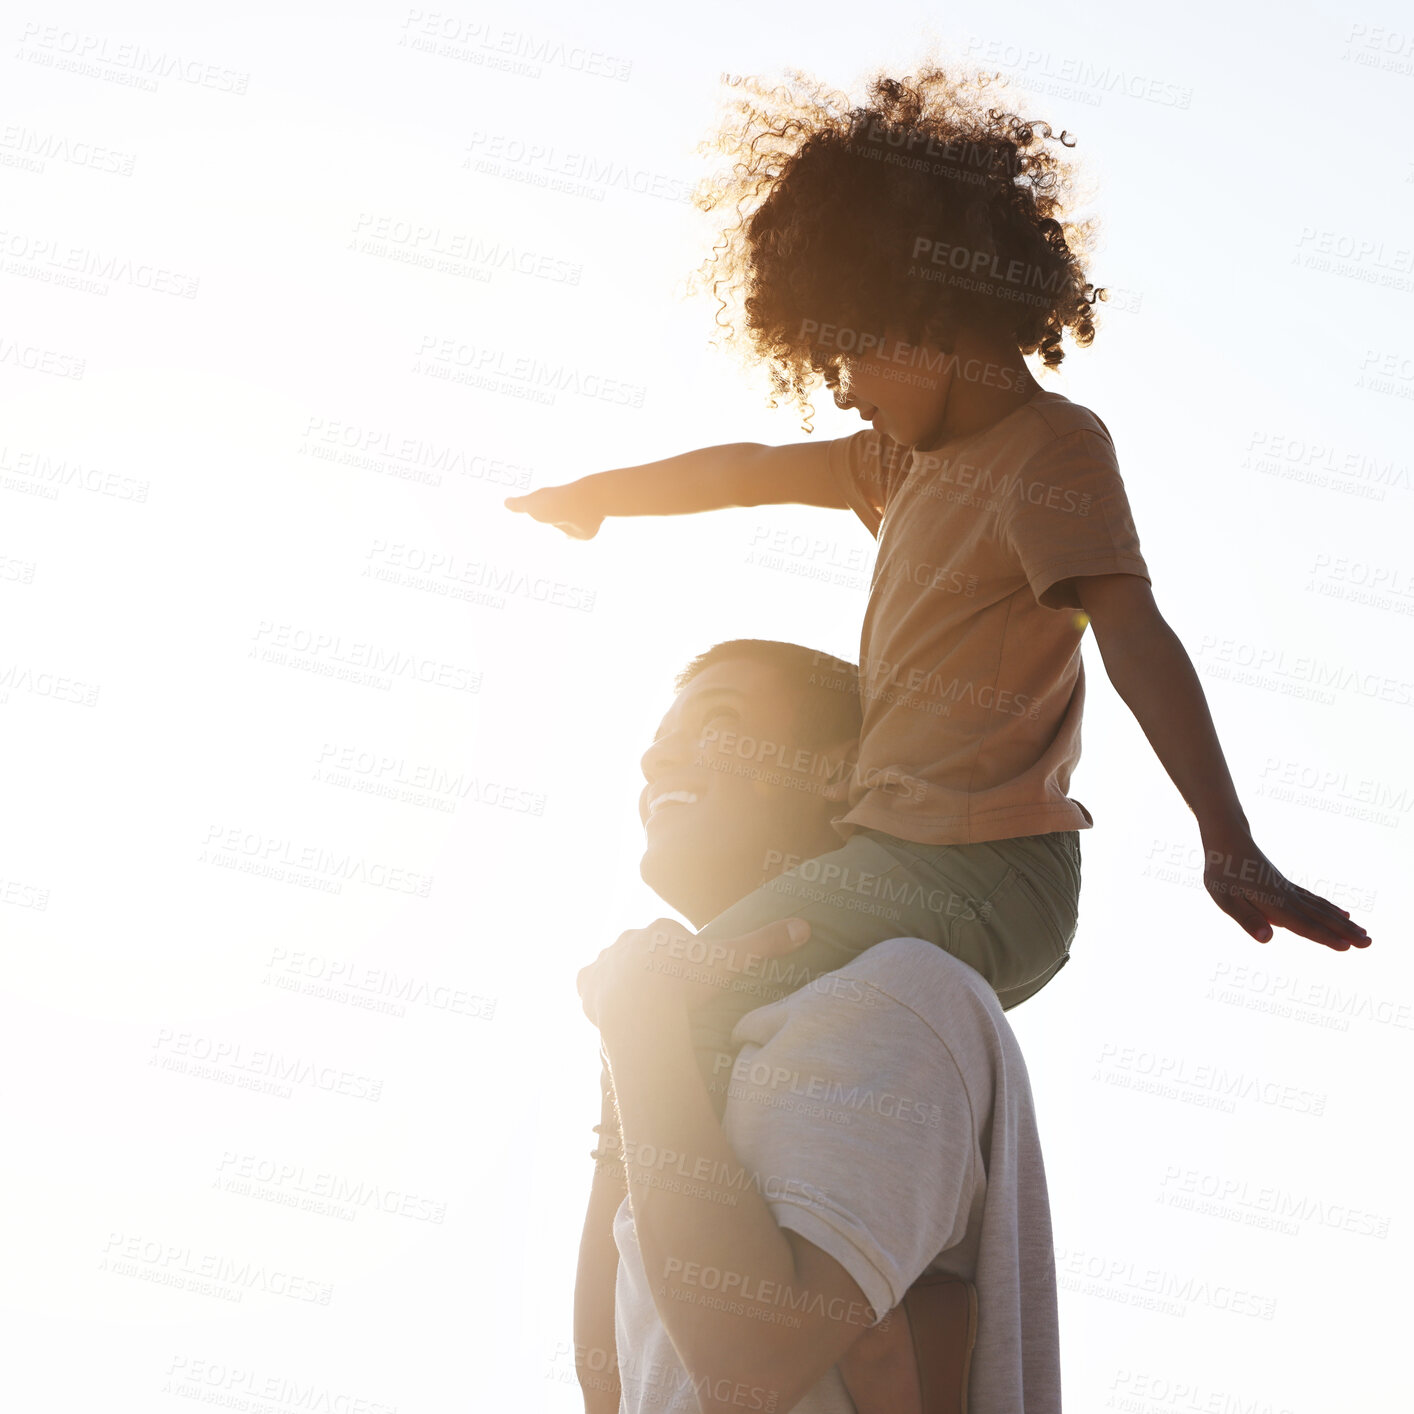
[[970, 655]]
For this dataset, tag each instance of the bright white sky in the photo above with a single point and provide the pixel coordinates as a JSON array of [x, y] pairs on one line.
[[167, 519]]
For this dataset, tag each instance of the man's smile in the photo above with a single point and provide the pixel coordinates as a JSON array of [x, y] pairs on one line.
[[671, 797]]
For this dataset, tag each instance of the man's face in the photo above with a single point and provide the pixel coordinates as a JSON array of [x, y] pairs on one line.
[[730, 794]]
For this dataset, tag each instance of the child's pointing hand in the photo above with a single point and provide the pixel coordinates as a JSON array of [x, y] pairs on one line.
[[1245, 884], [562, 506]]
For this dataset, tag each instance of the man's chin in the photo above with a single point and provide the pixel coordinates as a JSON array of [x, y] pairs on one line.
[[684, 882]]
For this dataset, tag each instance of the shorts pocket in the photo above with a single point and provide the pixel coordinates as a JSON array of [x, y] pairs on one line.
[[1017, 936], [1052, 915]]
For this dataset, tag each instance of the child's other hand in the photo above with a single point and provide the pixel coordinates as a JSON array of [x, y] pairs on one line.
[[1245, 884], [561, 506], [651, 970]]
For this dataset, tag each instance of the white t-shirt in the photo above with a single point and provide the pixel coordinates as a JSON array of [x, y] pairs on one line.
[[885, 1113]]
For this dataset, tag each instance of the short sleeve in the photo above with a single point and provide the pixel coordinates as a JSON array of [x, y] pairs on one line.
[[867, 468], [860, 1125], [1067, 515]]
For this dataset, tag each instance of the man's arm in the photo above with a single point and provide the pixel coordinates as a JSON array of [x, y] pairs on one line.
[[709, 1247], [1154, 676], [712, 478], [596, 1357]]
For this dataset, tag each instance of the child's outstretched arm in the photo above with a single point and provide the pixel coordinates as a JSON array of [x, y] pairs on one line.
[[710, 479], [1154, 675]]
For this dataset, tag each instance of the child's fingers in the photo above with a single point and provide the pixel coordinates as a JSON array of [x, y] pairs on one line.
[[780, 936], [1323, 912], [1319, 926], [1252, 921]]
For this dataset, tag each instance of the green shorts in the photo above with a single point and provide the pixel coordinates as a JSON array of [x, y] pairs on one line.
[[1007, 908]]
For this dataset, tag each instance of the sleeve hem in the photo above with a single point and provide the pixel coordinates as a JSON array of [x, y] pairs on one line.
[[840, 455], [808, 1222], [1047, 576]]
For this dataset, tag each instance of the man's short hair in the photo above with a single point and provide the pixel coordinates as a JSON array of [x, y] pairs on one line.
[[826, 687]]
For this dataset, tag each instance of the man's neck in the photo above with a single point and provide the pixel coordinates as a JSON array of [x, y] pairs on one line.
[[704, 911]]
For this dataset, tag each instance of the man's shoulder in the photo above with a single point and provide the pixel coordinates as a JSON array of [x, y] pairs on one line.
[[903, 1005], [887, 982], [922, 976]]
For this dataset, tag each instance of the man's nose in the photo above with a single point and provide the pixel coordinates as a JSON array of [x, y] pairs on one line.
[[662, 756]]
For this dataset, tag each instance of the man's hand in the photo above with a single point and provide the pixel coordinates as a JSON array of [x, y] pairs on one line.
[[665, 965], [564, 506], [1245, 884]]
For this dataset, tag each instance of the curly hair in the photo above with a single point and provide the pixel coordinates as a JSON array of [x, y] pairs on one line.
[[924, 209]]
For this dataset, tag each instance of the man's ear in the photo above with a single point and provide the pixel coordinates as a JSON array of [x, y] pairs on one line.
[[839, 760]]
